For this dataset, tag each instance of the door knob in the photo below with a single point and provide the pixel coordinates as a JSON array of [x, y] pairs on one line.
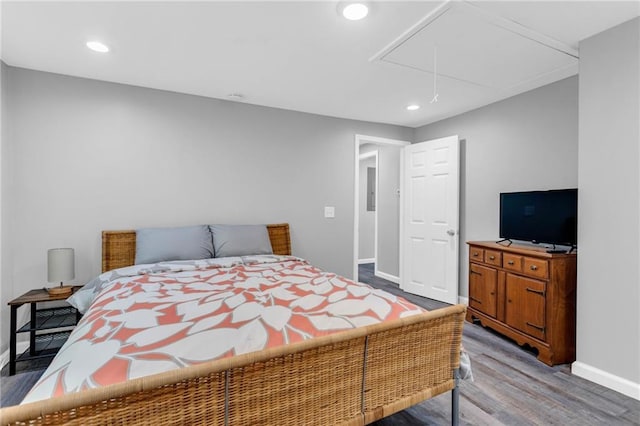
[[451, 232]]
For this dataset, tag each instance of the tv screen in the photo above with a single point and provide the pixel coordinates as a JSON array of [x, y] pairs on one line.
[[540, 216]]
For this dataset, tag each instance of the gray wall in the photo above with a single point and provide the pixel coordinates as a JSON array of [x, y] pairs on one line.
[[608, 335], [4, 258], [89, 155], [366, 221], [389, 209], [527, 142]]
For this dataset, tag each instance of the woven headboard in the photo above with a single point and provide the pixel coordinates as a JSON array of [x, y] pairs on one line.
[[119, 247]]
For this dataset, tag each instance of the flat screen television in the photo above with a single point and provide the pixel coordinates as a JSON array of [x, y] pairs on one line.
[[540, 216]]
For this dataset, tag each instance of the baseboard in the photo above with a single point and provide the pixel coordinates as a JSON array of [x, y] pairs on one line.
[[463, 300], [608, 380], [20, 347], [362, 261], [387, 277]]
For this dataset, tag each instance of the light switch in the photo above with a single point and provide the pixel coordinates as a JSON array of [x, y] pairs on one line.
[[329, 211]]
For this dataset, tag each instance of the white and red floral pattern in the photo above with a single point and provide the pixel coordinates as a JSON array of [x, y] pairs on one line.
[[145, 324]]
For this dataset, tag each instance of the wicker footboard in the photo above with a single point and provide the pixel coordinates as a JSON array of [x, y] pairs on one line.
[[349, 378]]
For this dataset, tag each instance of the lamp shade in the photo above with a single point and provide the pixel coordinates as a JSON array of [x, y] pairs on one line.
[[60, 265]]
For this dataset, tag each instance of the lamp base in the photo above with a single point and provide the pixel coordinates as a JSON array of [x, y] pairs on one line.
[[60, 290]]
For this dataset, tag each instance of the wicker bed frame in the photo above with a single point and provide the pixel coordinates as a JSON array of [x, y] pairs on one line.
[[349, 378]]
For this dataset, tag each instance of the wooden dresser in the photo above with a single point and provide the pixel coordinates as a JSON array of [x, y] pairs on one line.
[[526, 294]]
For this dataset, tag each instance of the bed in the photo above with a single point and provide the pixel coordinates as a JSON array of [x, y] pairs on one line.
[[350, 377]]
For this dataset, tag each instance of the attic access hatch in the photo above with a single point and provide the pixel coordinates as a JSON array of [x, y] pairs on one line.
[[480, 48]]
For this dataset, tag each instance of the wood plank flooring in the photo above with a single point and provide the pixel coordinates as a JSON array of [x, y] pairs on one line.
[[14, 388], [511, 386]]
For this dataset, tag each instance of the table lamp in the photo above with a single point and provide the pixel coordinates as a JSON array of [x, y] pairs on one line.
[[60, 268]]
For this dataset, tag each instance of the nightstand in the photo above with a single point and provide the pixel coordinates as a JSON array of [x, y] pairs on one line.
[[48, 328]]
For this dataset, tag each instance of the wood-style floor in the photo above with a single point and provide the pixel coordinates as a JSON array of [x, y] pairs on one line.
[[511, 387]]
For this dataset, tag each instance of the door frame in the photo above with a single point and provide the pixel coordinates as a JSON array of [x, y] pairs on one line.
[[359, 140]]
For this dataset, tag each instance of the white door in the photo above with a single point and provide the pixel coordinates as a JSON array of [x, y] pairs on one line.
[[429, 237]]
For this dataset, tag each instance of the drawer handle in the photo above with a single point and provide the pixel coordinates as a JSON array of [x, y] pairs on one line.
[[531, 290], [475, 254], [476, 272], [492, 258], [535, 326], [534, 268], [511, 262]]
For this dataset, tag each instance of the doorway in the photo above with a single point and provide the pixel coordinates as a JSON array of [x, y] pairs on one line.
[[368, 214], [377, 230]]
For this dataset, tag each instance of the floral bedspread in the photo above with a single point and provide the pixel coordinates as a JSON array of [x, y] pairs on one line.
[[153, 318]]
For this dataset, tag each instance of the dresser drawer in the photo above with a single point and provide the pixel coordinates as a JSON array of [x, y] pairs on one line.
[[476, 254], [536, 267], [492, 257], [512, 262]]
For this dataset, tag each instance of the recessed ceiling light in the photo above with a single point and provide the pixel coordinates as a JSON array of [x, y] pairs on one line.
[[96, 46], [413, 107], [355, 11]]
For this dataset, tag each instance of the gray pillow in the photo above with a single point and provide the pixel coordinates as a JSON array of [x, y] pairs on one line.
[[240, 240], [163, 244]]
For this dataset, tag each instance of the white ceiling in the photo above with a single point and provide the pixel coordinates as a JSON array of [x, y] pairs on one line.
[[303, 56]]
